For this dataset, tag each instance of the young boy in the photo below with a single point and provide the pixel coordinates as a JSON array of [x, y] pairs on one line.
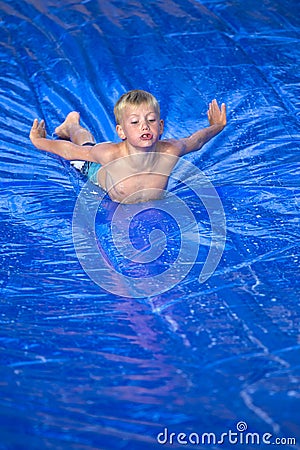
[[137, 168]]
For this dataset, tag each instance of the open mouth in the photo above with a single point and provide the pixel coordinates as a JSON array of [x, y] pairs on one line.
[[146, 136]]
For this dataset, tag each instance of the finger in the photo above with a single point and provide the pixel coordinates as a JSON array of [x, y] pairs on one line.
[[35, 123], [215, 106]]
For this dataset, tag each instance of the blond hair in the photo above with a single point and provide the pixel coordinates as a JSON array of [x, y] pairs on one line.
[[136, 97]]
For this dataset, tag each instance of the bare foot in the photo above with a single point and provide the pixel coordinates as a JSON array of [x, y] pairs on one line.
[[63, 130]]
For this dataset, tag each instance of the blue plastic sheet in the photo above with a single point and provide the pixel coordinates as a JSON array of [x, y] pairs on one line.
[[85, 368]]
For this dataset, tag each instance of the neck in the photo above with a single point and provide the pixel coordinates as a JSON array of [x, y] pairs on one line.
[[141, 158]]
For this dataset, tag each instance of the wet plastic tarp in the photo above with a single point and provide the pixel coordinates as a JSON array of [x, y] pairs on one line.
[[87, 361]]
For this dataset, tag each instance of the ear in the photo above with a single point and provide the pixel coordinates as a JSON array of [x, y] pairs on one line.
[[161, 127], [120, 132]]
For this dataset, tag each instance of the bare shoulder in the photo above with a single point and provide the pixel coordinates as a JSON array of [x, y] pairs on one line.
[[106, 152], [170, 147], [169, 154]]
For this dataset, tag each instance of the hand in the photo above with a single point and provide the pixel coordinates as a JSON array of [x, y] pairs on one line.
[[38, 130], [217, 116]]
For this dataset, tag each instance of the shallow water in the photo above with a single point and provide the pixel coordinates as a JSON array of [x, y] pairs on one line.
[[83, 367]]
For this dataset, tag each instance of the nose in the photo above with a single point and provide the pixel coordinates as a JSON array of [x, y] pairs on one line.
[[145, 125]]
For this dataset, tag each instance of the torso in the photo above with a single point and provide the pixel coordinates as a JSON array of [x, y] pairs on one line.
[[137, 188], [127, 184]]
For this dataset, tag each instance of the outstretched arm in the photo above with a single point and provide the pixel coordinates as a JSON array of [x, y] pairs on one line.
[[217, 121], [65, 149]]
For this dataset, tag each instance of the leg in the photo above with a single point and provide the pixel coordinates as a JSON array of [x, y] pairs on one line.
[[71, 130]]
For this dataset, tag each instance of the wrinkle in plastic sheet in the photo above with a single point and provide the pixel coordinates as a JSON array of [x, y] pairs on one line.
[[82, 368]]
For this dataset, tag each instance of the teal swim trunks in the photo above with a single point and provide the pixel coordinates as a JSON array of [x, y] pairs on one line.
[[90, 170]]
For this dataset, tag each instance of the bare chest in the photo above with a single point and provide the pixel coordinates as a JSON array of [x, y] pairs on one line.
[[134, 188]]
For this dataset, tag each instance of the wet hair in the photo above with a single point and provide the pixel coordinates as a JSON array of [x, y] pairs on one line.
[[136, 97]]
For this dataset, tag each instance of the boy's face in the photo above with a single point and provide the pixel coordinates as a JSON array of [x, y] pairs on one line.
[[140, 126]]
